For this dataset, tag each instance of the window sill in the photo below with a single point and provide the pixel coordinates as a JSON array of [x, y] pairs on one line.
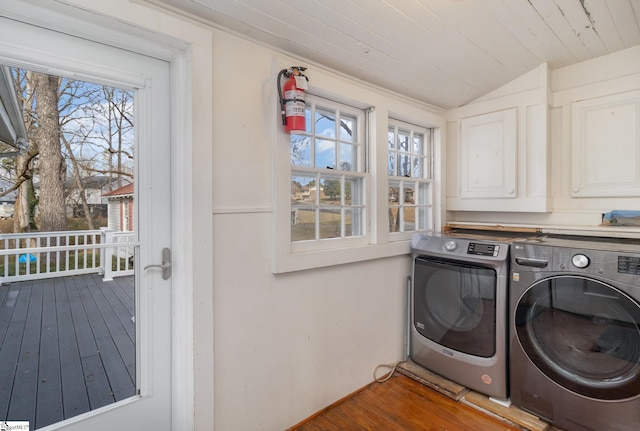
[[326, 258]]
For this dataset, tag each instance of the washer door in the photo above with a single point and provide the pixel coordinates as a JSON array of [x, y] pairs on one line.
[[583, 334], [455, 305]]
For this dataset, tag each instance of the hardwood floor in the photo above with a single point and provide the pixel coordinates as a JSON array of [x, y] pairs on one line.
[[402, 404]]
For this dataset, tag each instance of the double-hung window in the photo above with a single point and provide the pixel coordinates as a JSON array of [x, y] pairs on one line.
[[330, 209], [328, 176], [410, 174]]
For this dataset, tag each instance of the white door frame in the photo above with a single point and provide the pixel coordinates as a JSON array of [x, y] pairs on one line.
[[97, 27]]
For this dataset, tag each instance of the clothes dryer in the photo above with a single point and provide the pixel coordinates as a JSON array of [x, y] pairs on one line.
[[459, 310], [575, 337]]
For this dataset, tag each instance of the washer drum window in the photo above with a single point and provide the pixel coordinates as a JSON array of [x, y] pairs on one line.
[[582, 334]]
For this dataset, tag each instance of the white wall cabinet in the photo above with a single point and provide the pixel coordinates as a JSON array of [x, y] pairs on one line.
[[488, 149], [605, 150], [498, 149]]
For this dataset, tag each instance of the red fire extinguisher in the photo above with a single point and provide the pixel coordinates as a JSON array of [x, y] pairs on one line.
[[292, 104]]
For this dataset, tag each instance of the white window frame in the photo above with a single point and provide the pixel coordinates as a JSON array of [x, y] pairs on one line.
[[379, 106], [422, 184], [359, 173]]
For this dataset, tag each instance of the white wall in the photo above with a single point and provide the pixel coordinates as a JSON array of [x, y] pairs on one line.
[[612, 74], [286, 345]]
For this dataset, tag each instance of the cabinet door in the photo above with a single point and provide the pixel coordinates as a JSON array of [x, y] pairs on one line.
[[488, 154], [606, 146]]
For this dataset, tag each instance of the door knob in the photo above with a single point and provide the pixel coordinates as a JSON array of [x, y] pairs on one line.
[[165, 265]]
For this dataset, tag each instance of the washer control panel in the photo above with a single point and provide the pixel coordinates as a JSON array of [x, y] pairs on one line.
[[629, 265], [607, 260]]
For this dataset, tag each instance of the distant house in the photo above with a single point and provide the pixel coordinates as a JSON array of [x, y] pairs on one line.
[[8, 199], [94, 189], [120, 208]]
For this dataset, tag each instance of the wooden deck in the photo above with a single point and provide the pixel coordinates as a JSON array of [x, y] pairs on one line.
[[67, 346]]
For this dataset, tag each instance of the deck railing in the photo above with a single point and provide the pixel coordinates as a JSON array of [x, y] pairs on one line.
[[37, 255]]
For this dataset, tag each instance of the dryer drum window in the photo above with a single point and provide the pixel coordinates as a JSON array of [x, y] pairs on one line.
[[583, 334], [455, 305]]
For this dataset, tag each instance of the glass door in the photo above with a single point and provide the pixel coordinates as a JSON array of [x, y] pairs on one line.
[[69, 379]]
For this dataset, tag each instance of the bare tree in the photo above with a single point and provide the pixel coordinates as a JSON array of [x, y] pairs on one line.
[[24, 209], [51, 164], [78, 183], [74, 126]]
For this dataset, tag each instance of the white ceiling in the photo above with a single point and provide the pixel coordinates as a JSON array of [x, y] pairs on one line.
[[443, 52]]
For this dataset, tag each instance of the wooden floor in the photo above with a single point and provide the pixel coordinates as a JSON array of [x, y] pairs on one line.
[[67, 346], [402, 404]]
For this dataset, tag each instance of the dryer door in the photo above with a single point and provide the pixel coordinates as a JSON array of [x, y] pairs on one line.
[[455, 305], [582, 334]]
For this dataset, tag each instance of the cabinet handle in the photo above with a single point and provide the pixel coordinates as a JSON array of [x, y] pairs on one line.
[[511, 191], [576, 190]]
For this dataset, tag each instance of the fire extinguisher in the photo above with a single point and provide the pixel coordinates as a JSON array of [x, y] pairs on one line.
[[292, 105]]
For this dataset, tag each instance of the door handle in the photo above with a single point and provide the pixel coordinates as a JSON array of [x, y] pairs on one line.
[[530, 261], [166, 264]]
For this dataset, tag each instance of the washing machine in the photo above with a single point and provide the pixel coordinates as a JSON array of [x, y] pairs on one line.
[[458, 318], [575, 335]]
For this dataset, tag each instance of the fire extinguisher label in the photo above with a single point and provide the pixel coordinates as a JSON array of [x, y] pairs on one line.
[[295, 109], [294, 95], [295, 106]]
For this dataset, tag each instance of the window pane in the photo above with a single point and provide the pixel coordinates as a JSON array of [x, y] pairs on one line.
[[354, 221], [423, 218], [394, 219], [348, 157], [347, 129], [422, 197], [409, 194], [418, 142], [330, 223], [330, 191], [303, 190], [354, 191], [416, 170], [325, 124], [391, 138], [325, 154], [403, 141], [391, 164], [303, 223], [409, 219], [300, 150], [394, 192], [404, 165]]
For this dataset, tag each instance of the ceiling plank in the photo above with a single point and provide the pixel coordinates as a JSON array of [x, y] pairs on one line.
[[555, 19], [624, 20], [545, 41], [579, 18]]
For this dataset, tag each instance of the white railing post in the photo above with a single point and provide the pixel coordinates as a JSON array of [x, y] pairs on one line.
[[106, 257]]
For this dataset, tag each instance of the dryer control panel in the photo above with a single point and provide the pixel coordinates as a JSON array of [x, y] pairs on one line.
[[480, 249]]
